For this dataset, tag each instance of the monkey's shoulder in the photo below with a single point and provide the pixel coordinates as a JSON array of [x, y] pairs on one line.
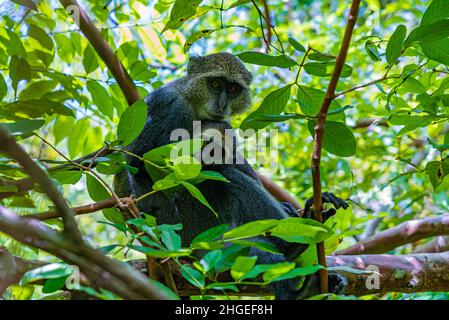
[[163, 97]]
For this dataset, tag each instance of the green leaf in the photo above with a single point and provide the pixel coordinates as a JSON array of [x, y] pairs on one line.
[[140, 71], [394, 46], [3, 87], [373, 51], [101, 98], [438, 51], [34, 109], [318, 56], [22, 292], [90, 59], [222, 286], [436, 171], [168, 152], [197, 36], [196, 193], [168, 182], [410, 122], [164, 290], [251, 229], [67, 177], [161, 254], [41, 36], [325, 69], [193, 276], [263, 59], [413, 85], [186, 167], [310, 100], [242, 266], [170, 238], [182, 11], [49, 271], [23, 127], [210, 260], [295, 44], [52, 285], [37, 90], [428, 33], [211, 234], [273, 104], [19, 69], [300, 230], [132, 122], [338, 138], [297, 272], [98, 192], [265, 246], [437, 10], [278, 270], [78, 137]]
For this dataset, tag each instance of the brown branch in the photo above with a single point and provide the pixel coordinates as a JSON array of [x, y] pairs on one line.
[[406, 232], [105, 52], [101, 271], [372, 274], [277, 192], [40, 176], [319, 134], [85, 209], [405, 273], [385, 77], [439, 244], [268, 23]]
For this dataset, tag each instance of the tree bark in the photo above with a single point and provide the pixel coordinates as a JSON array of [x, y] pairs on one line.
[[406, 232]]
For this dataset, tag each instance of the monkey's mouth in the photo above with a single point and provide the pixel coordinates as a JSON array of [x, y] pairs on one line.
[[216, 116]]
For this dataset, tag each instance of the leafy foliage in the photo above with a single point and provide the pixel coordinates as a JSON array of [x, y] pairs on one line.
[[54, 86]]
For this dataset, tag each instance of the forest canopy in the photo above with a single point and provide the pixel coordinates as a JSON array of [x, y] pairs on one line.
[[354, 96]]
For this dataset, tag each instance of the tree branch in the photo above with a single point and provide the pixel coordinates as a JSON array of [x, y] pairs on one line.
[[40, 176], [406, 232], [371, 274], [277, 192], [105, 52], [439, 244], [101, 271], [319, 134], [85, 209]]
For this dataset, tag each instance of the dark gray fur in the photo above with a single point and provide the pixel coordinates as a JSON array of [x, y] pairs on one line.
[[242, 200]]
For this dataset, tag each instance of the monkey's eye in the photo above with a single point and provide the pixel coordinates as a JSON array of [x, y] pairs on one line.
[[215, 84], [234, 89]]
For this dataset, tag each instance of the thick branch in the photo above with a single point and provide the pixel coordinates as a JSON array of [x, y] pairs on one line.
[[277, 192], [319, 133], [406, 232], [439, 244], [99, 269], [104, 51], [40, 176], [376, 274], [404, 273]]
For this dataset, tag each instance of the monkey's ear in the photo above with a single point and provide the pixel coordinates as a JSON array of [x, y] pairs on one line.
[[195, 65]]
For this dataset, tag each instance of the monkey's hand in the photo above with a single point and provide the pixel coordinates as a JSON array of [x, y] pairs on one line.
[[327, 198]]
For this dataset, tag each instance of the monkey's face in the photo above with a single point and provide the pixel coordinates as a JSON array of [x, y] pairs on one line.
[[225, 98]]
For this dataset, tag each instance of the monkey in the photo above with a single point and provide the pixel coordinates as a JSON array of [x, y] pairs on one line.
[[215, 88]]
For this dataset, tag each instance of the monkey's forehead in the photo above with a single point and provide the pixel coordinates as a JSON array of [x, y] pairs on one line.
[[240, 78]]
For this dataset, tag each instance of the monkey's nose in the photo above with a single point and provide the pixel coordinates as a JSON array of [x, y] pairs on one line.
[[222, 100]]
